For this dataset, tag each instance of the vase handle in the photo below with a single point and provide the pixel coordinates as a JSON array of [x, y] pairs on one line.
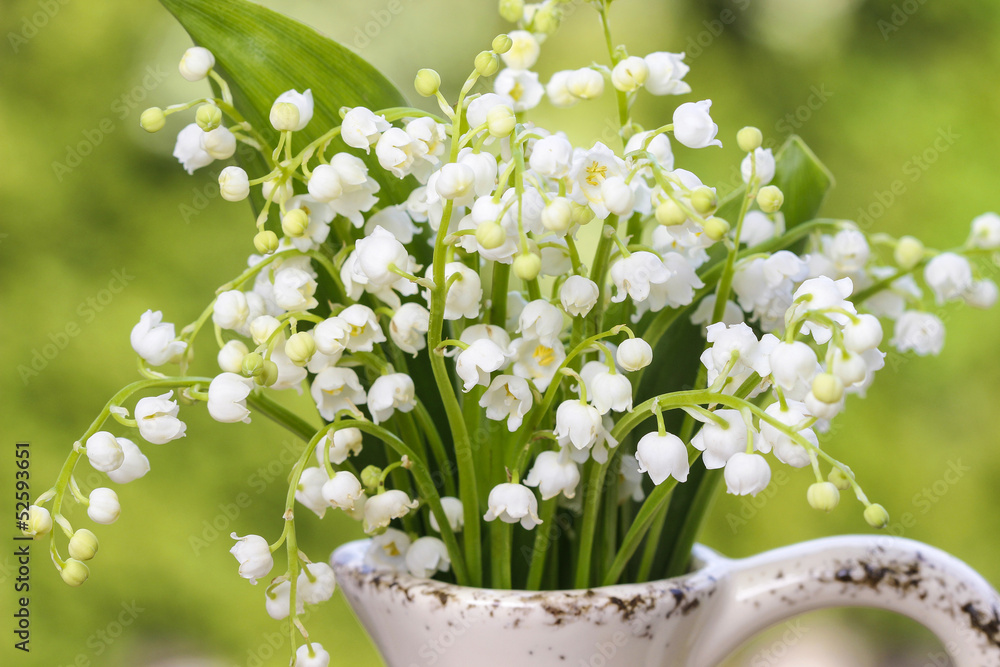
[[900, 575]]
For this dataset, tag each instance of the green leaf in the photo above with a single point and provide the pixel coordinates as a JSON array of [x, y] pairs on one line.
[[804, 180], [261, 54]]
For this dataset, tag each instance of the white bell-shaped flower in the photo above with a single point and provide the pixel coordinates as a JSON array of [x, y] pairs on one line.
[[218, 144], [104, 452], [377, 254], [364, 330], [634, 275], [578, 424], [658, 146], [540, 320], [388, 550], [585, 83], [303, 102], [475, 363], [316, 583], [666, 72], [294, 289], [454, 512], [864, 334], [982, 294], [986, 231], [154, 340], [189, 151], [384, 507], [949, 276], [551, 156], [765, 166], [464, 294], [823, 294], [361, 128], [693, 125], [610, 391], [311, 655], [230, 357], [508, 397], [335, 389], [134, 465], [719, 444], [513, 503], [234, 184], [578, 295], [227, 398], [747, 474], [629, 74], [634, 354], [408, 327], [793, 367], [389, 393], [277, 601], [784, 446], [523, 51], [342, 490], [345, 442], [156, 417], [103, 506], [309, 491], [921, 332], [254, 556], [662, 456], [618, 196], [553, 473], [426, 556]]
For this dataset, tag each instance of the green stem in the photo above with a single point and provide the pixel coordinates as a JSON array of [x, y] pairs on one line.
[[543, 542]]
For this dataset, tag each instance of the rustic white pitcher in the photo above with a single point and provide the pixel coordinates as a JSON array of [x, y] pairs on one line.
[[694, 620]]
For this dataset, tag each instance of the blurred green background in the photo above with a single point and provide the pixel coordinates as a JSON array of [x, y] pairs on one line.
[[85, 194]]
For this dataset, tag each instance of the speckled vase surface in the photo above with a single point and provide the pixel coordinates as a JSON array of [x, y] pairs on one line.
[[694, 620]]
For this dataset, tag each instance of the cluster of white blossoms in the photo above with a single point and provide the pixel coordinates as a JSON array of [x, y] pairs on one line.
[[479, 278]]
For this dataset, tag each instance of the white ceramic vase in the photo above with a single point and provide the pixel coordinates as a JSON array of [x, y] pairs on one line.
[[694, 620]]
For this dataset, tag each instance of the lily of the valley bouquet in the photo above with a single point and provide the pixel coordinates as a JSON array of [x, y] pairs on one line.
[[530, 361]]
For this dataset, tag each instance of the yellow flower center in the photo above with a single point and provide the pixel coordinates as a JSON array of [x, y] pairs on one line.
[[544, 355], [516, 91], [594, 171]]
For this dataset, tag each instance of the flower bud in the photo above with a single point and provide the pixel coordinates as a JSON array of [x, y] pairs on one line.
[[234, 185], [828, 388], [269, 375], [512, 10], [629, 74], [909, 251], [823, 496], [370, 477], [527, 266], [704, 200], [300, 347], [634, 354], [231, 356], [152, 119], [83, 545], [266, 242], [502, 43], [490, 235], [295, 223], [557, 216], [104, 452], [253, 365], [749, 139], [770, 198], [208, 117], [39, 522], [487, 63], [284, 116], [104, 507], [716, 228], [546, 19], [876, 516], [839, 479], [427, 82], [669, 213], [74, 572], [500, 121], [195, 63], [582, 214]]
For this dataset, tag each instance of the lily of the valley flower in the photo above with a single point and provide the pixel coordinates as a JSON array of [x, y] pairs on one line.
[[513, 503], [342, 490], [662, 456], [578, 295], [389, 393], [227, 398], [386, 506], [335, 389], [254, 556], [104, 452], [747, 474], [453, 510], [134, 463], [475, 363], [553, 473], [719, 443], [103, 506], [693, 126], [316, 583], [361, 128], [311, 655], [426, 556], [154, 340], [157, 419], [508, 397]]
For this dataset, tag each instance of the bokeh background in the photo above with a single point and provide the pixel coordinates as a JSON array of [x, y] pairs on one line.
[[99, 223]]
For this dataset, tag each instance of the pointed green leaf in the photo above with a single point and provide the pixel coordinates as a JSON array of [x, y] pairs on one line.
[[261, 54]]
